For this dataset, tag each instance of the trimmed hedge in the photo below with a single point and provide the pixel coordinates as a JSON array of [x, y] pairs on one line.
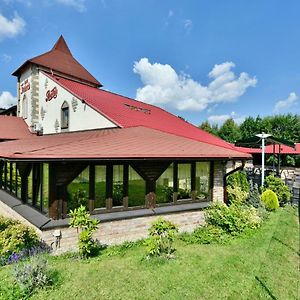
[[270, 199]]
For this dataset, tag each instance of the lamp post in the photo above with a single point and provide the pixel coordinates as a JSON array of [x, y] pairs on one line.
[[263, 136]]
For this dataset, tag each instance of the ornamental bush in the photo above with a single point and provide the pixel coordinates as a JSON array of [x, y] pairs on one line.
[[233, 219], [253, 198], [15, 237], [270, 199], [161, 237], [85, 225], [238, 179], [208, 234], [236, 194], [276, 185]]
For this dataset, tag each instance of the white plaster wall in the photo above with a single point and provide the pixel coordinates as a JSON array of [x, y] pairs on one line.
[[83, 118], [25, 76]]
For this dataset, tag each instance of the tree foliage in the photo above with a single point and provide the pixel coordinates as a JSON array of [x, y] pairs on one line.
[[286, 126], [230, 131]]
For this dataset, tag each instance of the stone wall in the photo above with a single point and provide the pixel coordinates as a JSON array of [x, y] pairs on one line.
[[117, 232], [218, 188]]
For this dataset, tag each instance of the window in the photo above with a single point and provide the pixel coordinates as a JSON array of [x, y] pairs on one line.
[[100, 186], [184, 181], [164, 186], [25, 107], [202, 180], [136, 189], [65, 115], [118, 192]]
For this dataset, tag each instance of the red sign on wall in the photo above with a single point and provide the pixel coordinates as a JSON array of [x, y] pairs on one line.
[[51, 94], [25, 86]]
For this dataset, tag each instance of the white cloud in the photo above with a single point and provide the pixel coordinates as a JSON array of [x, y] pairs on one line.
[[7, 100], [6, 58], [220, 119], [11, 28], [188, 25], [79, 5], [163, 86], [290, 101]]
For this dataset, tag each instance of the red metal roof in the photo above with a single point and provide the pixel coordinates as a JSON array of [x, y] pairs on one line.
[[118, 143], [13, 128], [60, 59], [270, 150], [126, 112]]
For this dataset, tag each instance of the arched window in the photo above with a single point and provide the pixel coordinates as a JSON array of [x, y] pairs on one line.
[[65, 115], [24, 107]]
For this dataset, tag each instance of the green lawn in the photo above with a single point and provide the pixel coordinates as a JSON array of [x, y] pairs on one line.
[[262, 266]]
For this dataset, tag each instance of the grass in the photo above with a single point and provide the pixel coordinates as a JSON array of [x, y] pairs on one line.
[[261, 266]]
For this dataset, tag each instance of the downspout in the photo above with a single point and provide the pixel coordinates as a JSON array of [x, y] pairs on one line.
[[225, 180]]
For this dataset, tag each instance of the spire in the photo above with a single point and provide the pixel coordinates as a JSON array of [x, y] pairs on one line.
[[62, 46]]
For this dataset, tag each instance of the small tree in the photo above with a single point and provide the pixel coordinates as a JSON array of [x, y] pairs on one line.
[[270, 199], [276, 185], [85, 225], [162, 234]]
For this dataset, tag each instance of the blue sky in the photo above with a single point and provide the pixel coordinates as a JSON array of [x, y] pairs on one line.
[[202, 60]]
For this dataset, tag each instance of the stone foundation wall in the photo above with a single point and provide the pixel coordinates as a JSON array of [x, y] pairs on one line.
[[117, 232]]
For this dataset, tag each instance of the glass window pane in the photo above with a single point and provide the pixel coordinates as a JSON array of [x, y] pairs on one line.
[[136, 189], [13, 179], [118, 185], [45, 187], [184, 181], [78, 190], [29, 194], [202, 180], [164, 186], [100, 186]]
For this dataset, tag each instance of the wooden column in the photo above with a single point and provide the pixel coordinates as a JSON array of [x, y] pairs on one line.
[[150, 193], [91, 187], [109, 186], [53, 201], [24, 171], [175, 181], [193, 181], [10, 176], [1, 173], [211, 181], [5, 175], [125, 185], [150, 172]]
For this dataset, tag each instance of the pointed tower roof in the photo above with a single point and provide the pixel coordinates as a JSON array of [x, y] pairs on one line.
[[61, 61]]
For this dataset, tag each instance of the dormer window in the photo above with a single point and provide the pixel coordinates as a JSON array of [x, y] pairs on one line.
[[65, 115]]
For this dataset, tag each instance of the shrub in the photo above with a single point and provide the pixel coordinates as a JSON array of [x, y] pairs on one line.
[[233, 219], [15, 236], [276, 185], [208, 234], [160, 243], [236, 194], [238, 179], [253, 198], [81, 220], [270, 199], [32, 275]]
